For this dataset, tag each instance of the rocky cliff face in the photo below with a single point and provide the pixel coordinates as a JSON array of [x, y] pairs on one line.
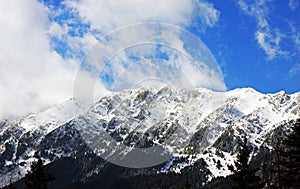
[[200, 130]]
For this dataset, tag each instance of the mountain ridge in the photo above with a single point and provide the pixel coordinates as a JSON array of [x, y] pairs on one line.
[[210, 122]]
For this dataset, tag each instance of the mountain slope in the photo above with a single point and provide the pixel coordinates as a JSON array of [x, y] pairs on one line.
[[199, 128]]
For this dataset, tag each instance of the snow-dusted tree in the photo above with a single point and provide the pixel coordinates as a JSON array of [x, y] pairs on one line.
[[290, 172], [245, 178], [37, 177]]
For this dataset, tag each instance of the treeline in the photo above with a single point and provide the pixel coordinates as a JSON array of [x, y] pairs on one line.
[[37, 177], [283, 172], [285, 168]]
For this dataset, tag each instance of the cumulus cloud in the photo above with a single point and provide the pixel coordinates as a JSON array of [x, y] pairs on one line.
[[109, 15], [57, 30], [132, 54], [208, 14], [33, 75], [42, 45], [119, 19]]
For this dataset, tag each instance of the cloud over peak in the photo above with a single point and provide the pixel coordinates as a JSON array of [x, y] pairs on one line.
[[41, 44], [32, 74], [109, 15]]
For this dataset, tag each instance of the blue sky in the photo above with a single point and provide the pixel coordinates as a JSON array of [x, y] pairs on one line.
[[266, 65], [255, 43], [244, 60]]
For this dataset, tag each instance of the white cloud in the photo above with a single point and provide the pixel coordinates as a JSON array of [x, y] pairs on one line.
[[294, 71], [184, 56], [268, 38], [269, 43], [208, 14], [33, 75], [57, 30], [293, 4], [296, 39], [109, 15]]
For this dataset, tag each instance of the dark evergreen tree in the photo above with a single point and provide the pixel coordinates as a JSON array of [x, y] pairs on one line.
[[285, 167], [11, 186], [290, 172], [275, 178], [245, 178], [38, 177], [241, 163], [187, 184]]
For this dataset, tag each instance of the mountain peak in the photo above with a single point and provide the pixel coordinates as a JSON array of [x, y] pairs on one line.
[[187, 124]]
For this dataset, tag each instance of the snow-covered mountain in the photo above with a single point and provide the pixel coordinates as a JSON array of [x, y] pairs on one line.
[[192, 126]]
